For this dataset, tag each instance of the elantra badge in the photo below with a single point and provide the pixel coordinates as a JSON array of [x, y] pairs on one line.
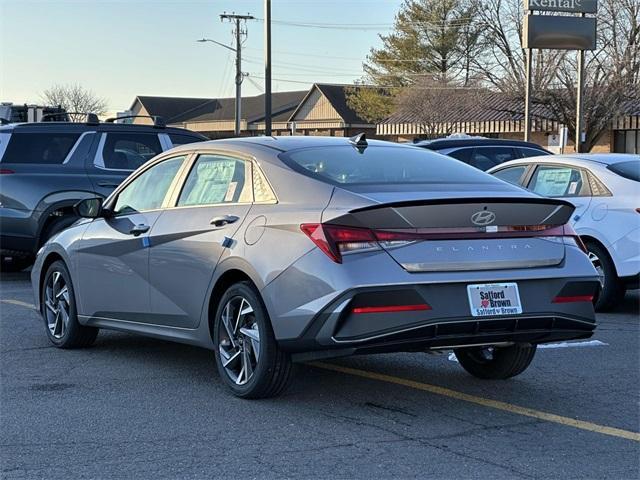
[[483, 217]]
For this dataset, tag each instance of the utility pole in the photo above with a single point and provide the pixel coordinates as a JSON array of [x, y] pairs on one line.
[[579, 99], [267, 67], [239, 20]]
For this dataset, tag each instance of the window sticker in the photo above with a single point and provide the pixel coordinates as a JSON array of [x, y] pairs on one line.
[[573, 187], [231, 190], [553, 182]]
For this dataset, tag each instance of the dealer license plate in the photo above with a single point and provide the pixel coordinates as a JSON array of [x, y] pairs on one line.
[[492, 299]]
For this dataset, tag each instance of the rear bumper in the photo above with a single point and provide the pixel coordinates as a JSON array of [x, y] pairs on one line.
[[336, 330]]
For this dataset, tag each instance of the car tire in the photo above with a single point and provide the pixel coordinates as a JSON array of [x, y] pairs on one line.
[[12, 264], [58, 309], [496, 363], [247, 355], [612, 290]]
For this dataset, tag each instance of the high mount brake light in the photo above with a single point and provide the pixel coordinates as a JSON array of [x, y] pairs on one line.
[[336, 240]]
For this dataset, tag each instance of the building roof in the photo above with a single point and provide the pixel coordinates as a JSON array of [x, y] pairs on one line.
[[168, 107], [282, 104], [337, 97], [485, 107]]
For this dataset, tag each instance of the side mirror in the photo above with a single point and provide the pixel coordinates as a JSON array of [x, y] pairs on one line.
[[89, 208]]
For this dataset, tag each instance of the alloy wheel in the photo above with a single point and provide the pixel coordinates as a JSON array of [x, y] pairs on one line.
[[57, 305], [239, 343], [597, 264]]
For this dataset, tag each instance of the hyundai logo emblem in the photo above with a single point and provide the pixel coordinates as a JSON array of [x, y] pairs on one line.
[[482, 218]]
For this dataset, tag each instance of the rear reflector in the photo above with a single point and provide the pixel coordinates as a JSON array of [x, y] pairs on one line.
[[6, 171], [574, 298], [393, 308]]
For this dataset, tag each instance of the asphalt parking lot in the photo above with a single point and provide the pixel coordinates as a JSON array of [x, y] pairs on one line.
[[132, 407]]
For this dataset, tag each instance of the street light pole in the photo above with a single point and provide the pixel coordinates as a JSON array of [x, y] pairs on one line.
[[579, 99], [267, 67]]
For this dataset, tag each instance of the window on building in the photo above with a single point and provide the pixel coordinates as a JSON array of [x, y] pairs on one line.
[[43, 148], [626, 141]]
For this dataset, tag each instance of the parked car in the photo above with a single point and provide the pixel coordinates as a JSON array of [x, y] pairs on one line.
[[272, 250], [605, 189], [47, 167], [483, 153]]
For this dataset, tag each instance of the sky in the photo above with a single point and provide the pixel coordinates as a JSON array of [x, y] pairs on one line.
[[123, 48]]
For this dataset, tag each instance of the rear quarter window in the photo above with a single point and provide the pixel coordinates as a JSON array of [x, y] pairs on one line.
[[39, 148]]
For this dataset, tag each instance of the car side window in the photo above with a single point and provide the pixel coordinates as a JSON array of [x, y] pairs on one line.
[[127, 151], [215, 179], [526, 152], [180, 139], [149, 189], [558, 181], [462, 154], [511, 174], [39, 148], [486, 157]]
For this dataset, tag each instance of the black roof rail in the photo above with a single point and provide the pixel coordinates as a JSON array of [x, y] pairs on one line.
[[158, 121], [92, 118]]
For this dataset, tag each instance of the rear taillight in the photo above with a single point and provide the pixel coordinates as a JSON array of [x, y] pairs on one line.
[[336, 240], [6, 171], [568, 231]]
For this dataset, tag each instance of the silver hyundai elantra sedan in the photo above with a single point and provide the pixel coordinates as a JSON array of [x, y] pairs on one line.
[[274, 250]]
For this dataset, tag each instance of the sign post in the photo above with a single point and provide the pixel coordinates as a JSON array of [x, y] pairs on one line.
[[559, 33]]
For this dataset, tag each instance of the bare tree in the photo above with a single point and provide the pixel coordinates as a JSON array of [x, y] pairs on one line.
[[436, 107], [75, 98]]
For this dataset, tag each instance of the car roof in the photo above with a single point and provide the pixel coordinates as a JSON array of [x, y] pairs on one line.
[[475, 142], [576, 159], [288, 143], [79, 126]]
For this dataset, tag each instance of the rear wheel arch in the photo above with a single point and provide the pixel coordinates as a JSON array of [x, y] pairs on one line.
[[591, 239], [228, 278]]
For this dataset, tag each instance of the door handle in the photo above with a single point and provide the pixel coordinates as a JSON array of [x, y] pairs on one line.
[[139, 229], [224, 220], [108, 184]]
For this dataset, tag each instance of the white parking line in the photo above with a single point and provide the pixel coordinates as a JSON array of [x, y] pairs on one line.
[[19, 303], [588, 343]]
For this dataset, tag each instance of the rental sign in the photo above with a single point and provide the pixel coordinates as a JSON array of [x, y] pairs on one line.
[[571, 6]]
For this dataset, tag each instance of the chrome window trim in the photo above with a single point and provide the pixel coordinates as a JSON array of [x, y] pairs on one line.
[[75, 146], [3, 144]]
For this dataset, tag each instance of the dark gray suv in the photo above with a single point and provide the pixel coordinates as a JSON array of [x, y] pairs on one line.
[[46, 168]]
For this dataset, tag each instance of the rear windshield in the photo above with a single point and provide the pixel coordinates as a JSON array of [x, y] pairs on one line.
[[345, 165], [47, 148], [630, 169]]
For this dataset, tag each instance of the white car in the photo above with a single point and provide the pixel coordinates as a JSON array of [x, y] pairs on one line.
[[605, 188]]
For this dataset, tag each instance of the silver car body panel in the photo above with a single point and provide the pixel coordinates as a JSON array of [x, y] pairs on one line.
[[161, 283]]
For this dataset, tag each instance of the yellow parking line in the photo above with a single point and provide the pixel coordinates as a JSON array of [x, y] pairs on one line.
[[19, 303], [485, 402]]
